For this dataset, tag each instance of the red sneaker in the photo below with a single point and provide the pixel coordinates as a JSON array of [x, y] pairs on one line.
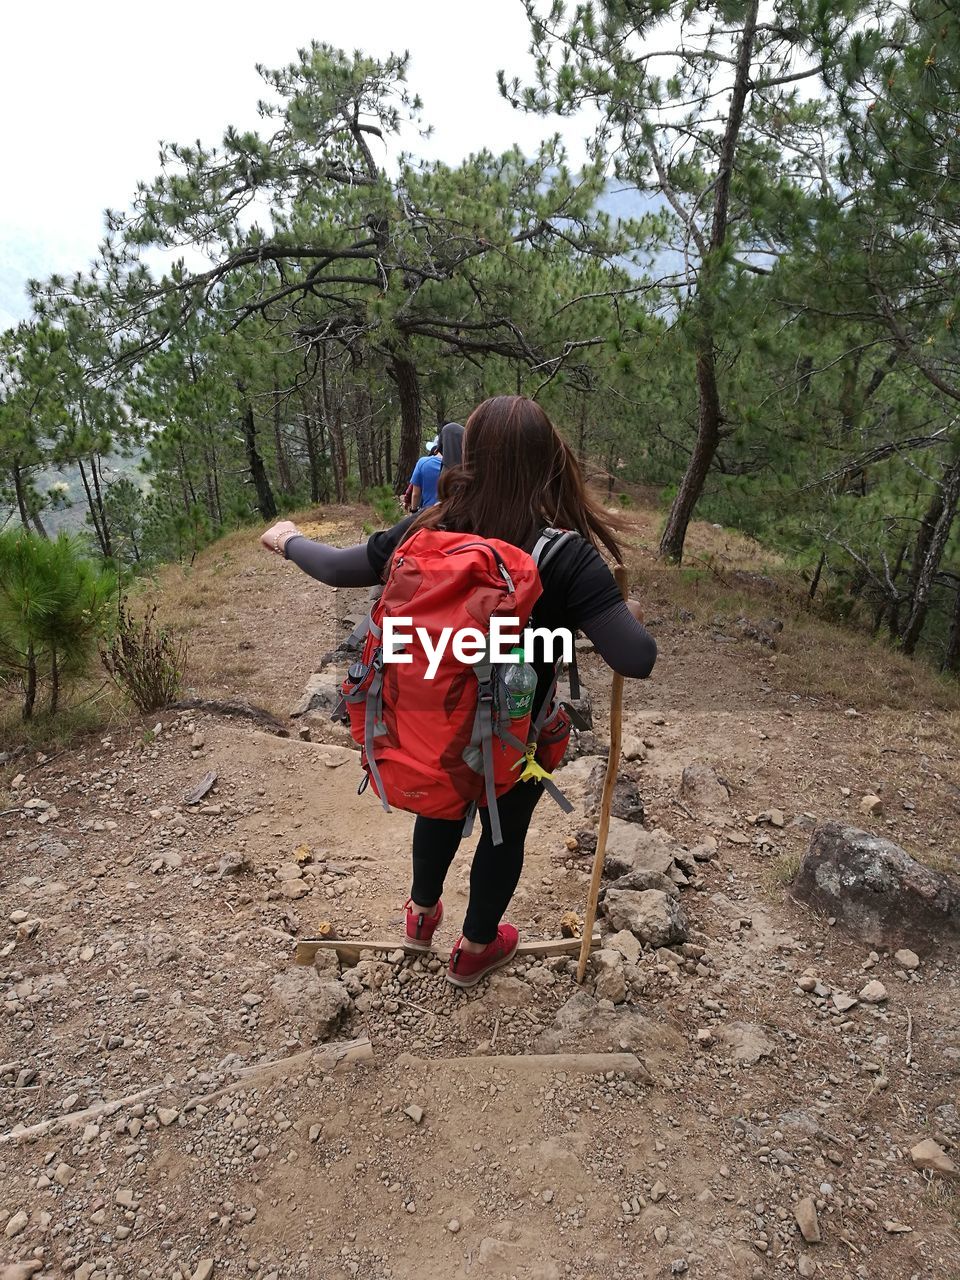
[[467, 968], [420, 927]]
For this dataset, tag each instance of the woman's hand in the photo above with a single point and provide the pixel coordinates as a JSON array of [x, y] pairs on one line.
[[636, 609], [275, 538]]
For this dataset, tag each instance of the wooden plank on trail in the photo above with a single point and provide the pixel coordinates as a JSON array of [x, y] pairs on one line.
[[350, 949]]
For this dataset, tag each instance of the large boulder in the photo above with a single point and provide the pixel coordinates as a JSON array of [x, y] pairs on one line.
[[321, 694], [631, 847], [642, 879], [875, 889], [309, 999], [626, 805], [651, 915]]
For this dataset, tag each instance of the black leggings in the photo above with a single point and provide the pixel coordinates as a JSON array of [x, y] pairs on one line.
[[496, 869]]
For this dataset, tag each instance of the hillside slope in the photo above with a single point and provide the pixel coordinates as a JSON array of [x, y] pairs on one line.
[[162, 962]]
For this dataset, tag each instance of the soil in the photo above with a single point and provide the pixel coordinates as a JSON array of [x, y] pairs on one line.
[[148, 944]]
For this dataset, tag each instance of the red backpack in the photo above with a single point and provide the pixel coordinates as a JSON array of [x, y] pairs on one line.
[[442, 746]]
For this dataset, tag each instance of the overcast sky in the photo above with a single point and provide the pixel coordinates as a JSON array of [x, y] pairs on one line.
[[89, 87]]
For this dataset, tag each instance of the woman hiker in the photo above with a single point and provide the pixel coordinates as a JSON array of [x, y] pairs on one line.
[[517, 478]]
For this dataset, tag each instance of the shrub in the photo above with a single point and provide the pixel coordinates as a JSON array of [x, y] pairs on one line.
[[54, 607], [144, 660]]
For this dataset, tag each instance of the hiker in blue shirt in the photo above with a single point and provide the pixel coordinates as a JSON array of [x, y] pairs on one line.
[[425, 477]]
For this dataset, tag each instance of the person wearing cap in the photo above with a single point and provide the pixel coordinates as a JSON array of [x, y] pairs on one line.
[[426, 474], [451, 445]]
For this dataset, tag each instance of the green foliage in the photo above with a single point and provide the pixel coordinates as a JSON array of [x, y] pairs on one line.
[[799, 259], [384, 502], [54, 606]]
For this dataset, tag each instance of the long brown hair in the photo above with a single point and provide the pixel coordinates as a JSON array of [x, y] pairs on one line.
[[518, 476]]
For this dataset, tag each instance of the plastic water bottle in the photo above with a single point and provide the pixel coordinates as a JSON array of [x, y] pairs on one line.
[[520, 681]]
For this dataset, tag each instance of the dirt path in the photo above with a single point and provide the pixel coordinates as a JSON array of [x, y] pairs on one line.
[[162, 958]]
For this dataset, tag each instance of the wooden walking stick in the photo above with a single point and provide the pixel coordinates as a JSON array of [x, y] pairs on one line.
[[606, 800]]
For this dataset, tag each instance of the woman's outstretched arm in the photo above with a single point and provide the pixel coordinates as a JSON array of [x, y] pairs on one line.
[[622, 641], [336, 566]]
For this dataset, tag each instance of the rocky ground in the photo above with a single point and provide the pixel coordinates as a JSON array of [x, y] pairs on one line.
[[785, 1097]]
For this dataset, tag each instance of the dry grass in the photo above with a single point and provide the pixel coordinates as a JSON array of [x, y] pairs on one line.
[[92, 708], [782, 871]]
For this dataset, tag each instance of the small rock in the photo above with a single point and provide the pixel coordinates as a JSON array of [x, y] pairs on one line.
[[414, 1112], [705, 851], [896, 1228], [64, 1174], [907, 959], [315, 1131], [703, 790], [872, 806], [805, 1212], [204, 1269], [657, 1192], [746, 1042], [661, 1234], [22, 1270], [453, 1226], [807, 982], [806, 1265], [548, 1197], [774, 817], [842, 1002], [167, 1116], [874, 993], [125, 1198], [16, 1224], [930, 1155]]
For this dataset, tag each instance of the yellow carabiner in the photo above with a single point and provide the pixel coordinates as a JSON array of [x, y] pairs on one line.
[[532, 772]]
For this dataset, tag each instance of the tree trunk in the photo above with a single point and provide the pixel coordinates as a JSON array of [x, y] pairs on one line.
[[334, 428], [92, 506], [709, 417], [951, 657], [258, 472], [283, 467], [403, 373], [920, 601], [54, 682], [98, 490], [582, 433], [313, 461], [816, 576], [695, 476], [30, 688], [21, 496], [363, 434], [891, 601]]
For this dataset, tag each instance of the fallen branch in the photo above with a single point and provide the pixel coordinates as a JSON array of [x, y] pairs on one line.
[[243, 710], [324, 1057], [909, 1037], [537, 1063], [76, 1118]]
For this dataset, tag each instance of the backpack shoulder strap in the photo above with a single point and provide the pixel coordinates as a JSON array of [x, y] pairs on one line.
[[548, 543]]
